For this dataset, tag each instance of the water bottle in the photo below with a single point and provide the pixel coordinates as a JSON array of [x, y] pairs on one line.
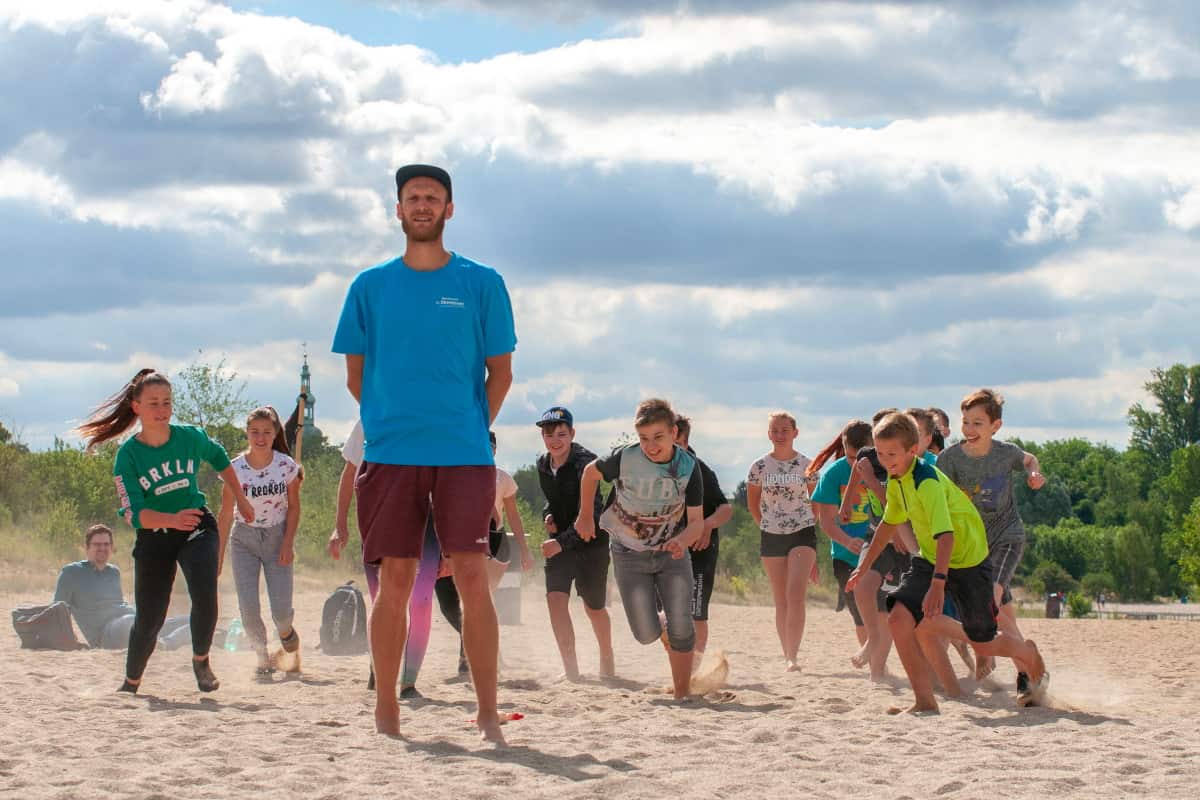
[[233, 637]]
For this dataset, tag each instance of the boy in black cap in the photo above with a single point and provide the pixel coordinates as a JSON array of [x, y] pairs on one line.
[[569, 558]]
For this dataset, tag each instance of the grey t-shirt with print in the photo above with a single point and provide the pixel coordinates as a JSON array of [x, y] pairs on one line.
[[987, 480]]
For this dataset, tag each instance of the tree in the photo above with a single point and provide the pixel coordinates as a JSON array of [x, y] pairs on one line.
[[210, 396], [1186, 545], [1131, 561], [1176, 422]]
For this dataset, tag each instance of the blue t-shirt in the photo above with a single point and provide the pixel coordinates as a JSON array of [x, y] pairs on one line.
[[424, 337], [830, 489], [930, 458]]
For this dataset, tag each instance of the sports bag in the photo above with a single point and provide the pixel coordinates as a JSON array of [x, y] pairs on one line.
[[344, 622], [46, 627]]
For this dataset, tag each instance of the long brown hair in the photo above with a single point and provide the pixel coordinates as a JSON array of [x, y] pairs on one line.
[[269, 413], [115, 416], [856, 432]]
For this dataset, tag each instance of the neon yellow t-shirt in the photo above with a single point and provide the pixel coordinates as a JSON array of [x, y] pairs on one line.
[[933, 504]]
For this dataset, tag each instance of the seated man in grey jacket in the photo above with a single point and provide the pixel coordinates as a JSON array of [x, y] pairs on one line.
[[92, 590]]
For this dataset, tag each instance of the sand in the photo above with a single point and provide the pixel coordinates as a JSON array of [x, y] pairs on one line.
[[1124, 722]]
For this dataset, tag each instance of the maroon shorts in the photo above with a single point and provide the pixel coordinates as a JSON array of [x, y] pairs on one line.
[[394, 503]]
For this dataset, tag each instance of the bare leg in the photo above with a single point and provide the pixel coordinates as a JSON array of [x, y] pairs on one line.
[[701, 638], [481, 637], [800, 563], [1024, 653], [681, 671], [934, 646], [777, 572], [388, 631], [879, 638], [495, 572], [602, 627], [904, 634], [564, 631]]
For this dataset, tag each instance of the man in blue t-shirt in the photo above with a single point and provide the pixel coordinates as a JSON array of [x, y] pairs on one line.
[[428, 340]]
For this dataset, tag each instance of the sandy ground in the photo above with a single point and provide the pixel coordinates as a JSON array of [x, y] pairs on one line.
[[1124, 722]]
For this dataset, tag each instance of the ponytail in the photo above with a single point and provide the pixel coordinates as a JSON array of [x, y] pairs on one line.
[[856, 433], [279, 444], [112, 418]]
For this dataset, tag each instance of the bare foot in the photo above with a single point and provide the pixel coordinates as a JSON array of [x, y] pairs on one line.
[[1035, 667], [489, 729], [915, 708], [968, 658], [791, 666], [984, 666], [608, 667], [862, 657], [387, 720]]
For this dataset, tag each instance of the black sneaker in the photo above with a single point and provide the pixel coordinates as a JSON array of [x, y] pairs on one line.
[[1022, 682], [131, 688], [206, 681]]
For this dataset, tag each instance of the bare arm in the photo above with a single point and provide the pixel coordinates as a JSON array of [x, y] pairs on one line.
[[723, 514], [354, 375], [881, 539], [585, 525], [229, 476], [753, 498], [499, 381], [224, 524], [513, 515], [1033, 472], [825, 517], [341, 515], [678, 545], [935, 598]]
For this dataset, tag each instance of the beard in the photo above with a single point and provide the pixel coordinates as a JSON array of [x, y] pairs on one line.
[[427, 234]]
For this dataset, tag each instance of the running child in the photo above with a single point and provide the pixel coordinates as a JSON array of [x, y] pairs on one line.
[[983, 468], [705, 550], [654, 514], [953, 560], [570, 559], [777, 497], [271, 479], [867, 604], [155, 473]]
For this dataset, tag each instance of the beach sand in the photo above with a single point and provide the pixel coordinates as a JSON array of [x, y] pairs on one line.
[[1123, 721]]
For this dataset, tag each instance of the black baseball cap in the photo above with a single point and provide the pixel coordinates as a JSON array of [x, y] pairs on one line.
[[407, 173], [555, 415]]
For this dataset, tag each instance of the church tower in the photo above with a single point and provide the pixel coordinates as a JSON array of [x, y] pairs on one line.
[[310, 399]]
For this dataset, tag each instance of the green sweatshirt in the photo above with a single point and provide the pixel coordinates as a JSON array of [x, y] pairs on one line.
[[164, 478]]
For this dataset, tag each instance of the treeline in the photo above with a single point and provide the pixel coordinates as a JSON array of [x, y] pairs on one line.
[[1124, 524]]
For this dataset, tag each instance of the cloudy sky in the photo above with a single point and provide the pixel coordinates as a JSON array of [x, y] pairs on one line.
[[823, 207]]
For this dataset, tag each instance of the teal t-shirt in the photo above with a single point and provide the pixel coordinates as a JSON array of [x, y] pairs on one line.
[[163, 478], [831, 488]]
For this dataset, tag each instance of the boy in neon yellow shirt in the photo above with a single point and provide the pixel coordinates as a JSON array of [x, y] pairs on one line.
[[953, 559]]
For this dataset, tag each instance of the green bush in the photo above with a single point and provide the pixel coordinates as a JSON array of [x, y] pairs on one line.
[[1079, 605]]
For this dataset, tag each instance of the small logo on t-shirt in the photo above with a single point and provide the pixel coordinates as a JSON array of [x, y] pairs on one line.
[[450, 302]]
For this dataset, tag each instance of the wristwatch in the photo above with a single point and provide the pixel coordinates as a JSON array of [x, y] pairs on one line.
[[939, 576]]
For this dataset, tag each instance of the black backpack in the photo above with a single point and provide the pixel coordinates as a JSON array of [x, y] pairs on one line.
[[46, 627], [344, 622]]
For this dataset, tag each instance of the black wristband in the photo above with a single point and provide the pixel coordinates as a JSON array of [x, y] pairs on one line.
[[939, 576]]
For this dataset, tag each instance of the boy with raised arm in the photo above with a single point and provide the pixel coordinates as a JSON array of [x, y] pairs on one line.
[[952, 560], [655, 513]]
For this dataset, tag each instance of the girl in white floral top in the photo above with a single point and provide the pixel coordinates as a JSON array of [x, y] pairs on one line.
[[777, 493], [271, 481]]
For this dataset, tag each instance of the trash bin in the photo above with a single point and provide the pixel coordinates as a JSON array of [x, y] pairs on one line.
[[1054, 602], [508, 593]]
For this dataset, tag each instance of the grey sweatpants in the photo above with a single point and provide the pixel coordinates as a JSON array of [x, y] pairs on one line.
[[254, 551]]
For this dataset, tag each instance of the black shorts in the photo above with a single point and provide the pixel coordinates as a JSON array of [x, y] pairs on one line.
[[970, 588], [779, 545], [891, 564], [841, 571], [704, 573], [586, 567], [498, 546]]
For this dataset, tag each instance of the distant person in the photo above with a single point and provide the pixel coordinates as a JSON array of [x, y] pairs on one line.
[[428, 339], [92, 590], [156, 476], [717, 511], [266, 546], [570, 560], [777, 497]]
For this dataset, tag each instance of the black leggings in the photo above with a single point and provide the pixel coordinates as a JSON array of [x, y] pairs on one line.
[[448, 601], [155, 555]]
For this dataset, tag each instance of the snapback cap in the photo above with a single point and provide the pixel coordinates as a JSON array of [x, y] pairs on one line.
[[407, 173], [555, 415]]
